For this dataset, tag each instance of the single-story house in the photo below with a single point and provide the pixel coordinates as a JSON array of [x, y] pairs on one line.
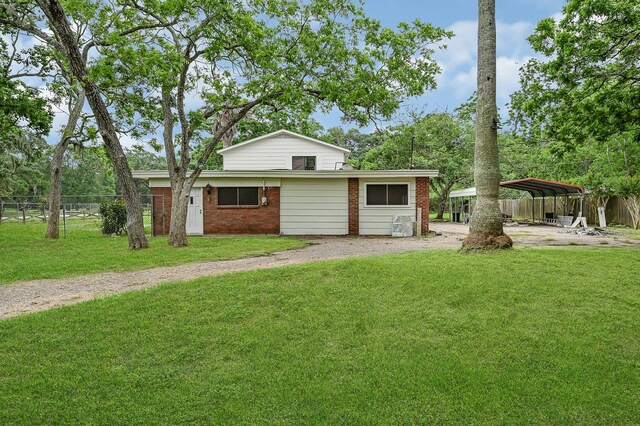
[[290, 184]]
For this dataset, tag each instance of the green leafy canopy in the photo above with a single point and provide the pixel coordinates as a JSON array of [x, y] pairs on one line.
[[588, 84]]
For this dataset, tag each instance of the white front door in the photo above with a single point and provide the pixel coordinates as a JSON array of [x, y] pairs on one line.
[[194, 214]]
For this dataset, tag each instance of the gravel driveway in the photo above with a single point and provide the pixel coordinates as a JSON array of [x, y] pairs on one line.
[[38, 295]]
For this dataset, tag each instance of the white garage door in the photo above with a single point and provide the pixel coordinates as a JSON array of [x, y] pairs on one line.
[[314, 207]]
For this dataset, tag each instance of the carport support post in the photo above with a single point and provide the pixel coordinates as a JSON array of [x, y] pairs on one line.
[[581, 198]]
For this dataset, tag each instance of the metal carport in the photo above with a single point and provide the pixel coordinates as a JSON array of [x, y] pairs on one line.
[[537, 188]]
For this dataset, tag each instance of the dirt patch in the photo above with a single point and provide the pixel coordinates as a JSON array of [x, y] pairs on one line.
[[543, 236], [487, 243], [38, 295]]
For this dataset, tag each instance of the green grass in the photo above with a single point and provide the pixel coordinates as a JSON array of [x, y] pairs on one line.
[[433, 215], [630, 233], [25, 253], [421, 338]]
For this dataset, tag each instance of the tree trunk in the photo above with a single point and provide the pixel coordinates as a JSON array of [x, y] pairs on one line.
[[181, 184], [442, 190], [226, 117], [60, 24], [485, 231], [55, 191], [53, 228], [442, 205], [179, 209]]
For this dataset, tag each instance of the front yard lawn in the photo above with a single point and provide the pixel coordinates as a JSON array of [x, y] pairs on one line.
[[530, 336], [25, 254]]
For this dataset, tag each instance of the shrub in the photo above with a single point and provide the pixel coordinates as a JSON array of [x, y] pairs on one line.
[[628, 188], [114, 217]]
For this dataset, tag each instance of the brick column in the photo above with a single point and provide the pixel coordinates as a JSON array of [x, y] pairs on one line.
[[422, 201], [354, 207]]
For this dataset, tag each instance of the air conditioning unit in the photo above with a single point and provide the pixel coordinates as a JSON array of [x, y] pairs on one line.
[[402, 226]]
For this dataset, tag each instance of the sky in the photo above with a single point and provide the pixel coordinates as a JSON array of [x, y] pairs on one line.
[[516, 20]]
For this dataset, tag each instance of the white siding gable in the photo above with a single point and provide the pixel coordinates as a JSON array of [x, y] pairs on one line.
[[276, 152]]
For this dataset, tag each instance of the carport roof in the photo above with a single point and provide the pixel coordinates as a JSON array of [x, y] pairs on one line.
[[543, 188], [534, 186]]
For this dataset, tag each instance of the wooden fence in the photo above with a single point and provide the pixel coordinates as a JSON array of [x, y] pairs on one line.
[[616, 212]]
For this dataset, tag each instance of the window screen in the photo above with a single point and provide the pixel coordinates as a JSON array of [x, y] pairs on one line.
[[398, 195], [388, 195], [247, 196], [309, 163], [303, 163], [238, 196], [376, 195], [227, 196]]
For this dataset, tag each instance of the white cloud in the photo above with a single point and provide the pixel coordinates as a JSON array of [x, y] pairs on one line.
[[458, 62], [461, 49], [508, 76], [464, 82], [558, 16], [127, 141]]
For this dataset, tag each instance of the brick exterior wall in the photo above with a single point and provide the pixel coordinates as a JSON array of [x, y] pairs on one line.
[[161, 206], [222, 219], [264, 219], [240, 219], [422, 201], [354, 207]]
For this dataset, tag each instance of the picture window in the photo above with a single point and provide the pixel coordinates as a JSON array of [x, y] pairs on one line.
[[238, 196]]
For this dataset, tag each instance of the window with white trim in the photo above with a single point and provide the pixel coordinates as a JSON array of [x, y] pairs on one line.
[[238, 196], [387, 194]]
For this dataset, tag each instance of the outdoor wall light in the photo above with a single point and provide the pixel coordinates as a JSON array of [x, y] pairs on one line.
[[208, 188]]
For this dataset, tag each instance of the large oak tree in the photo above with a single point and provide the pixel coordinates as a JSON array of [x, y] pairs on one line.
[[64, 35], [587, 85]]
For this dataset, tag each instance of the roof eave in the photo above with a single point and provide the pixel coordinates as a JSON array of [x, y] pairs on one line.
[[163, 174], [279, 132]]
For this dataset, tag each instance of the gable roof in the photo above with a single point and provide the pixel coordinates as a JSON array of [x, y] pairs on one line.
[[279, 133]]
